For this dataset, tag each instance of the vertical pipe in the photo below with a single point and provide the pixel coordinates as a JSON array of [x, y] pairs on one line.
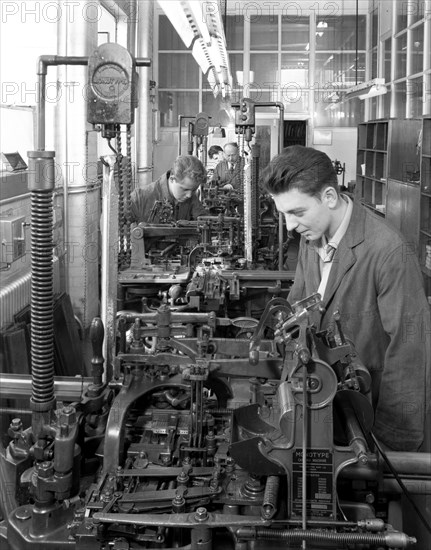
[[41, 74], [109, 262], [280, 215], [246, 65], [144, 160]]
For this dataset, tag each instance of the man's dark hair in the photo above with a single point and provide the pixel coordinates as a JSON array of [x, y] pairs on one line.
[[189, 166], [298, 167], [214, 150]]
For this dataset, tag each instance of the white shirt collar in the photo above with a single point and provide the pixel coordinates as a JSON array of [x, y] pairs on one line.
[[339, 234]]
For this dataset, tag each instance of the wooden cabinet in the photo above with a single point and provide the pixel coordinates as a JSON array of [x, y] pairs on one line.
[[425, 206], [387, 148]]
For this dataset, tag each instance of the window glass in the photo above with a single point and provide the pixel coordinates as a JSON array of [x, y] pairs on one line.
[[264, 96], [416, 11], [236, 61], [178, 70], [414, 89], [216, 109], [339, 69], [263, 32], [374, 63], [417, 51], [400, 99], [374, 28], [234, 31], [346, 114], [172, 104], [295, 34], [401, 16], [372, 108], [294, 98], [401, 56], [339, 33], [265, 69], [387, 102], [294, 68], [168, 36], [387, 59]]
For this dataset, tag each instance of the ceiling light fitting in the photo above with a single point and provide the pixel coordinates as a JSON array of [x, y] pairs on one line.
[[365, 90], [199, 25]]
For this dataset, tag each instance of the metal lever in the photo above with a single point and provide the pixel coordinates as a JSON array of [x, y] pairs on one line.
[[97, 334]]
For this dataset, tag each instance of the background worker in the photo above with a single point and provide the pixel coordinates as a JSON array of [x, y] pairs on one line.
[[365, 269], [228, 172], [177, 186]]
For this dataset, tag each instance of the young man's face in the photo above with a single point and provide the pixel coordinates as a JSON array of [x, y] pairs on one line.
[[307, 215], [184, 189]]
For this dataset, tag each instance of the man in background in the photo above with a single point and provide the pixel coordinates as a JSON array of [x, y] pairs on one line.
[[228, 173], [176, 188]]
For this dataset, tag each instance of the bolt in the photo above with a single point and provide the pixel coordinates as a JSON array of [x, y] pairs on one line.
[[313, 384], [22, 514], [304, 356], [230, 465], [67, 415], [201, 514], [369, 498]]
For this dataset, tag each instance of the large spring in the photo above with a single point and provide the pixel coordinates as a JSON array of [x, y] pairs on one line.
[[270, 497], [42, 297]]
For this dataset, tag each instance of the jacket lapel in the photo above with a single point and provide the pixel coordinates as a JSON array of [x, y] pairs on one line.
[[345, 257]]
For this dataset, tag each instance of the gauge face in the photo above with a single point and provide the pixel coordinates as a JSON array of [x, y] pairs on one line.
[[110, 81]]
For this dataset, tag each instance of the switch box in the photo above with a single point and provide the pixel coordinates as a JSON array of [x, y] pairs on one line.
[[12, 231]]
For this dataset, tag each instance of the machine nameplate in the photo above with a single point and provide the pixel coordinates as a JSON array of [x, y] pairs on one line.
[[319, 482]]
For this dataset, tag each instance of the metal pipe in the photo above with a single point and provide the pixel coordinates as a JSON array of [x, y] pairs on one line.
[[409, 463], [66, 388], [144, 116], [394, 539]]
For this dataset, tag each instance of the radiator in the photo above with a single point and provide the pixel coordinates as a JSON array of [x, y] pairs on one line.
[[15, 295]]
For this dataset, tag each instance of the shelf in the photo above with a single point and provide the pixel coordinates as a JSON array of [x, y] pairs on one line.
[[386, 150], [373, 208]]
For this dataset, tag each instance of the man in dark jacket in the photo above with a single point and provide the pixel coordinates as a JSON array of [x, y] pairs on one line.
[[176, 189], [228, 173], [365, 269]]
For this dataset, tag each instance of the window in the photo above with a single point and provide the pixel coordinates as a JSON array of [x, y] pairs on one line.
[[264, 32], [295, 33]]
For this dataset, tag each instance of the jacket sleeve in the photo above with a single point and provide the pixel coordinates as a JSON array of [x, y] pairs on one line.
[[297, 292], [217, 173], [405, 378], [134, 206]]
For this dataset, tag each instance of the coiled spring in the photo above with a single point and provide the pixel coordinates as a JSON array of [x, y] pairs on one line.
[[42, 316]]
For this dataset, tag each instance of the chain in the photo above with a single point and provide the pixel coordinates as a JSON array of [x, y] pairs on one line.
[[127, 194], [121, 233]]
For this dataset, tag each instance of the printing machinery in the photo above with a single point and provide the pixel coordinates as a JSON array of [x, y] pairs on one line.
[[216, 418]]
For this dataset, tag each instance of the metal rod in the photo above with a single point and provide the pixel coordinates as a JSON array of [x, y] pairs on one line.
[[65, 388]]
